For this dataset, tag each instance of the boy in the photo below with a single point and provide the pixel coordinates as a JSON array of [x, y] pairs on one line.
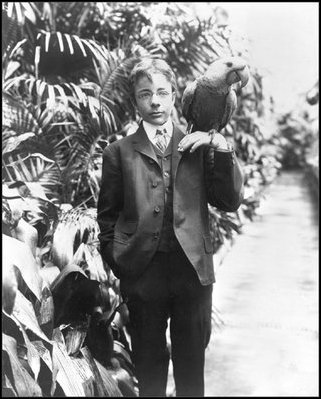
[[154, 231]]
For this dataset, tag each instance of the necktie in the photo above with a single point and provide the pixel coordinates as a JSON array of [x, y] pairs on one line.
[[160, 140]]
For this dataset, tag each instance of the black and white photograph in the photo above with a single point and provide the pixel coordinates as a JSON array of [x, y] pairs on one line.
[[160, 199]]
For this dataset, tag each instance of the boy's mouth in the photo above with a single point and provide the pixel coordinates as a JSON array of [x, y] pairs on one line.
[[156, 113]]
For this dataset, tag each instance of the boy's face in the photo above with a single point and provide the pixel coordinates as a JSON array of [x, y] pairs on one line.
[[154, 98]]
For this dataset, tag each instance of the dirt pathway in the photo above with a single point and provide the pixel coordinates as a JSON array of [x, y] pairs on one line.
[[266, 295]]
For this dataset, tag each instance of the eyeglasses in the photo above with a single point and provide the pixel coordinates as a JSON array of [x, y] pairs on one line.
[[146, 96]]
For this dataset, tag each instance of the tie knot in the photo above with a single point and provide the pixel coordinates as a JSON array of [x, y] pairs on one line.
[[160, 132]]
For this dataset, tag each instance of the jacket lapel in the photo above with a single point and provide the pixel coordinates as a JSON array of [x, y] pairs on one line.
[[176, 155], [142, 144]]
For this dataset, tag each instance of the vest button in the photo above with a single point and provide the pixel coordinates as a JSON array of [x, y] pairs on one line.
[[166, 174], [156, 235], [157, 209], [150, 161], [155, 184]]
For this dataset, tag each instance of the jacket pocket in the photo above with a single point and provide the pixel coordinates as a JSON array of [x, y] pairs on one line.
[[127, 227], [208, 245], [120, 239], [124, 231]]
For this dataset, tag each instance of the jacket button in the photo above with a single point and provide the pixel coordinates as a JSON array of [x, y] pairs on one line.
[[157, 209], [150, 161], [166, 174], [155, 184], [156, 235]]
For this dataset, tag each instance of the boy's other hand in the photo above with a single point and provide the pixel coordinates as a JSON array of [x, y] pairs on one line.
[[194, 140]]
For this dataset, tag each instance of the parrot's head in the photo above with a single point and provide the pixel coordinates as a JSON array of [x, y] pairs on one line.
[[226, 71]]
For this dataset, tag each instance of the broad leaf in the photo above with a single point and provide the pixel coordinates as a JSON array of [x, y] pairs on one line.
[[9, 287], [88, 378], [25, 314], [19, 254], [109, 382], [75, 335], [65, 372], [32, 354], [23, 383], [105, 387]]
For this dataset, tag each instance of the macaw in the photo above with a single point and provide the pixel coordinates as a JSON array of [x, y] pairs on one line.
[[210, 101]]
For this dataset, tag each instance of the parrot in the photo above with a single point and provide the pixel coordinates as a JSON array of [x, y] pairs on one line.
[[210, 100]]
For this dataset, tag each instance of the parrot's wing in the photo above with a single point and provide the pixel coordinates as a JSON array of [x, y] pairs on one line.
[[187, 99], [230, 105]]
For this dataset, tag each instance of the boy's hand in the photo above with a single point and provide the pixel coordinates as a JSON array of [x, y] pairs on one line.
[[194, 140]]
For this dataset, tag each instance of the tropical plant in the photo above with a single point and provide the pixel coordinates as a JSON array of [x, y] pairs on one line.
[[66, 99], [63, 330]]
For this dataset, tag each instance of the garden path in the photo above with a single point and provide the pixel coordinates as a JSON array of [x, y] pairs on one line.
[[265, 341]]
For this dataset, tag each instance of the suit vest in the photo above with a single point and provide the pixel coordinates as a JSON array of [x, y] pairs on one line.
[[168, 241]]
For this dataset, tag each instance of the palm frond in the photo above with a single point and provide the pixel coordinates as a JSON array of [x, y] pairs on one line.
[[115, 82], [21, 11], [34, 168], [10, 34], [63, 54], [17, 117], [20, 22]]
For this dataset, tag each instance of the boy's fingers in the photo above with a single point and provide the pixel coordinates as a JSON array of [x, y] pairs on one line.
[[185, 145], [192, 141], [196, 145], [189, 140]]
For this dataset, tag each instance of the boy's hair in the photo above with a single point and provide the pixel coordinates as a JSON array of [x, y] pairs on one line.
[[147, 67]]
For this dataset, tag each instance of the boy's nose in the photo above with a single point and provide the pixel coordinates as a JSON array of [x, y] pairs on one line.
[[155, 99]]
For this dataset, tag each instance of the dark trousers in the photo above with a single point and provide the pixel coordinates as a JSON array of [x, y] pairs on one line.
[[169, 289]]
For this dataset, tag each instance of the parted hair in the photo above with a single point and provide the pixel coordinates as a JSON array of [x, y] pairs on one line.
[[147, 67]]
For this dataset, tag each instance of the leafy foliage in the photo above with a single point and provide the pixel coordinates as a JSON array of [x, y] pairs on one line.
[[297, 135], [55, 321]]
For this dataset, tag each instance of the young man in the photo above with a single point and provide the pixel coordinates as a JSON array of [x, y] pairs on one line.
[[154, 231]]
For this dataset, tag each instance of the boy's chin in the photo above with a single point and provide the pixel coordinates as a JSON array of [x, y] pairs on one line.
[[157, 121]]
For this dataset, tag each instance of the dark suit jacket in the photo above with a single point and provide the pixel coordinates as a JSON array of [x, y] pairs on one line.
[[131, 202]]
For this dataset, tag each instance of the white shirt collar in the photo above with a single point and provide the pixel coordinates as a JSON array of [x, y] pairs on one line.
[[151, 129]]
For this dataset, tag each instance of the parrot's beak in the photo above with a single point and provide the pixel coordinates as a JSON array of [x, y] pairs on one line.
[[241, 75], [244, 76]]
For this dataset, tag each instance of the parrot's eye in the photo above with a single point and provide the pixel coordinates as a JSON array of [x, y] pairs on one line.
[[229, 64]]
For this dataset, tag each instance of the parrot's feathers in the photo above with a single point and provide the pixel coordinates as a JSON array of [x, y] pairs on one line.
[[187, 99], [231, 102], [210, 101]]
